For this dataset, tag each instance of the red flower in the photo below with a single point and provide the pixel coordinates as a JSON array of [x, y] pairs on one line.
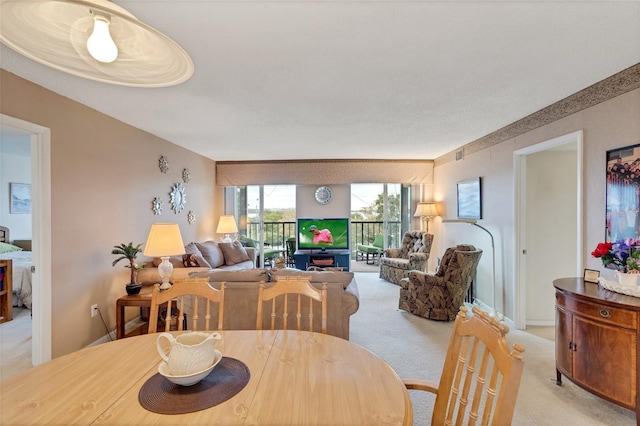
[[602, 249]]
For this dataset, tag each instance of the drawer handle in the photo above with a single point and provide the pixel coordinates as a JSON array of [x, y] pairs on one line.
[[604, 313]]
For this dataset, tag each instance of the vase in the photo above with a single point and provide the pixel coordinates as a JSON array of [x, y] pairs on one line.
[[133, 289], [628, 280]]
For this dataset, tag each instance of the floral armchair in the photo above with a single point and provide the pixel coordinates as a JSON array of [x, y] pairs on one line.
[[439, 296], [414, 254]]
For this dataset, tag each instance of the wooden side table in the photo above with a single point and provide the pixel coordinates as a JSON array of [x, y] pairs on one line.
[[142, 300]]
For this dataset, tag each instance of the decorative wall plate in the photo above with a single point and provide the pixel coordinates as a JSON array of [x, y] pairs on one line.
[[178, 197], [186, 175], [163, 163], [324, 195], [191, 217], [156, 205]]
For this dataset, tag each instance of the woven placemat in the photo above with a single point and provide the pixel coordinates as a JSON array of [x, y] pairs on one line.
[[161, 396]]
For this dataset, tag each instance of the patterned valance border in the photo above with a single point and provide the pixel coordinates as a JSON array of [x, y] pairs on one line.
[[616, 85]]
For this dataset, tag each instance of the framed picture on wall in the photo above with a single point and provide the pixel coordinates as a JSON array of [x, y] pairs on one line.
[[20, 198], [623, 193], [470, 199]]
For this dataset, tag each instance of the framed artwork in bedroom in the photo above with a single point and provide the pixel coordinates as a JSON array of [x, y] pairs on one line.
[[623, 193], [20, 198]]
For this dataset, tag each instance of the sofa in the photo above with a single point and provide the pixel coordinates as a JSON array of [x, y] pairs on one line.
[[207, 256], [439, 296], [241, 297], [412, 255]]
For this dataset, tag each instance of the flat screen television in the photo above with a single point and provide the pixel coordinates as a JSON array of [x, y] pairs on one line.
[[323, 233]]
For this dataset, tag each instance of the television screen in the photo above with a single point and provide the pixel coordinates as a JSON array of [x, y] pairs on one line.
[[326, 234]]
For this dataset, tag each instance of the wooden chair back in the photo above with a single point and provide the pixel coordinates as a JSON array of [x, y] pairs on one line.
[[306, 293], [480, 377], [181, 290]]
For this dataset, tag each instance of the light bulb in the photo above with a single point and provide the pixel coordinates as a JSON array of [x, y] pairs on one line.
[[100, 44]]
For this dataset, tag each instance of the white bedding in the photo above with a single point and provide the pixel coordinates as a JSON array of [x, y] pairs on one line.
[[21, 268]]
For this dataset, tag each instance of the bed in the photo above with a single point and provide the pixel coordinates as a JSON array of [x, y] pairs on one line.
[[21, 267]]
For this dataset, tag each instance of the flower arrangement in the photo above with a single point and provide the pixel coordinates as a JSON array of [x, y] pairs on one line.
[[622, 255]]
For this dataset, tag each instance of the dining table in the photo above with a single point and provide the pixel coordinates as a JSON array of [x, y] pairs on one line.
[[292, 378]]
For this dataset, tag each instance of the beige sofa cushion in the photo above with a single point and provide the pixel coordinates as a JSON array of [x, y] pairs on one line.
[[341, 277], [211, 253], [233, 252], [244, 275]]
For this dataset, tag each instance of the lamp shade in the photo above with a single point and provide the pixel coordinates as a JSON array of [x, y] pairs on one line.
[[164, 240], [227, 225], [56, 32], [426, 210]]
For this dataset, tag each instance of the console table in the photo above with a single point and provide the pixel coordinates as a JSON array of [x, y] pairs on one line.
[[597, 338], [322, 259]]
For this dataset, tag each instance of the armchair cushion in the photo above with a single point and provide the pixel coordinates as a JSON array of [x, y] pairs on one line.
[[439, 297]]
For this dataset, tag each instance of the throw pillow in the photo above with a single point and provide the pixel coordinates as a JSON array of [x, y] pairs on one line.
[[7, 248], [211, 253], [233, 252], [191, 260]]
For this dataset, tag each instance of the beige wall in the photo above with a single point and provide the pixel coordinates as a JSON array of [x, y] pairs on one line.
[[610, 124], [104, 175]]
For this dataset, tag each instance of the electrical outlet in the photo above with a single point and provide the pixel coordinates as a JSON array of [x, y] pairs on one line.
[[94, 310]]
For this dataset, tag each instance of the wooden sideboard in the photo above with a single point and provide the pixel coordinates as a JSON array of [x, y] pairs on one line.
[[597, 337]]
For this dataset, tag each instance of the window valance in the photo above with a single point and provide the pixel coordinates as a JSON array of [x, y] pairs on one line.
[[309, 172]]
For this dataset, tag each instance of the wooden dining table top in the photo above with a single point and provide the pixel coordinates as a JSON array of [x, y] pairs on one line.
[[297, 378]]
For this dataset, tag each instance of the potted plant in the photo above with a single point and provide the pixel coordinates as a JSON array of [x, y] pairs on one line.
[[129, 252]]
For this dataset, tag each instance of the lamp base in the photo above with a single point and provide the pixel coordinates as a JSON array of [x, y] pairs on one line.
[[165, 269]]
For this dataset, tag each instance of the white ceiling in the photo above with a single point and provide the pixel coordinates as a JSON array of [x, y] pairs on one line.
[[358, 79]]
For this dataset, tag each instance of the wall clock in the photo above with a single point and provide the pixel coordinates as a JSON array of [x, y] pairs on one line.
[[324, 195]]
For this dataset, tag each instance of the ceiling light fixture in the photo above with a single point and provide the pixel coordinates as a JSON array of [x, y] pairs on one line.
[[94, 39]]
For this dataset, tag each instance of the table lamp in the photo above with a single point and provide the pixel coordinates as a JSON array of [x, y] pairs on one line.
[[227, 225], [426, 211], [164, 241]]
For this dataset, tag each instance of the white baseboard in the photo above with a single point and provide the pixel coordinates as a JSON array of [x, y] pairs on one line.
[[129, 326]]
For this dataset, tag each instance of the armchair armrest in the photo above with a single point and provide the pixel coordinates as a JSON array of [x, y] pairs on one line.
[[424, 282], [421, 385]]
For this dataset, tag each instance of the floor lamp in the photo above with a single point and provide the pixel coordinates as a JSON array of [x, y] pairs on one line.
[[493, 257]]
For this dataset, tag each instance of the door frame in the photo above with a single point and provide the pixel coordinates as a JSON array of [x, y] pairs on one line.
[[40, 235], [520, 169]]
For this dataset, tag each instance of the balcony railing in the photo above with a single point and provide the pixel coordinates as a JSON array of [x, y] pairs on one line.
[[276, 233]]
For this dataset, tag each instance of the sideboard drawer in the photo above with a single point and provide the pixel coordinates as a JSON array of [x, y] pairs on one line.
[[617, 316]]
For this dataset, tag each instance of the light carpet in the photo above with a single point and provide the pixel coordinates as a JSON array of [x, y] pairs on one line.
[[415, 347], [15, 343]]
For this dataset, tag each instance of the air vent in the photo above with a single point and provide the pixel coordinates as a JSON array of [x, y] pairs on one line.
[[459, 155]]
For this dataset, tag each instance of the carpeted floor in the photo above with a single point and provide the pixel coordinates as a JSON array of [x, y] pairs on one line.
[[415, 347], [15, 343]]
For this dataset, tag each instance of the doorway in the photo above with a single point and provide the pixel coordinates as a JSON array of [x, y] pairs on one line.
[[40, 140], [548, 213]]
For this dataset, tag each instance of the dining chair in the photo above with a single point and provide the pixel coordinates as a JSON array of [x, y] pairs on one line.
[[182, 290], [279, 293], [480, 377]]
